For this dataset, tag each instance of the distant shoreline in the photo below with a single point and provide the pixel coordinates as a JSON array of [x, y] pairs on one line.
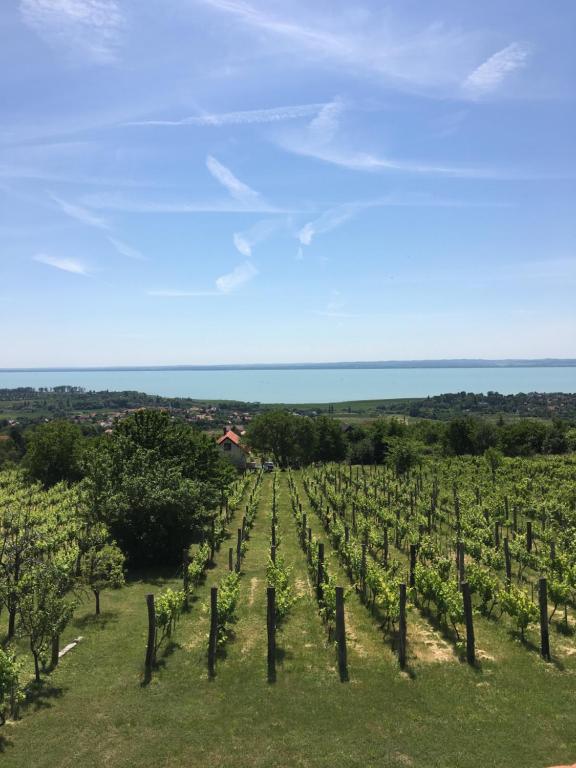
[[360, 365]]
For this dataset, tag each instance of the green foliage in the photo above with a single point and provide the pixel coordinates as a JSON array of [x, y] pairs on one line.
[[43, 611], [403, 456], [278, 576], [10, 690], [433, 586], [228, 592], [294, 439], [103, 568], [559, 593], [155, 480], [53, 452], [485, 584], [169, 606], [518, 605], [197, 566]]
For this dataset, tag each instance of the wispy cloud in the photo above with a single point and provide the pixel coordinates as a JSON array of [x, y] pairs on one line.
[[244, 117], [335, 217], [66, 265], [240, 275], [335, 308], [491, 73], [126, 250], [178, 293], [245, 241], [90, 219], [321, 140], [434, 57], [239, 191], [225, 284], [115, 201], [79, 213], [89, 28], [328, 221]]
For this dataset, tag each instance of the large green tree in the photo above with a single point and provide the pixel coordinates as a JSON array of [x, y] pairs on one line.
[[154, 481], [53, 452]]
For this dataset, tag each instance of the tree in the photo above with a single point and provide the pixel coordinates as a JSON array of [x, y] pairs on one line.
[[43, 611], [403, 456], [330, 442], [493, 459], [153, 481], [18, 544], [9, 683], [459, 437], [275, 432], [102, 568], [53, 452]]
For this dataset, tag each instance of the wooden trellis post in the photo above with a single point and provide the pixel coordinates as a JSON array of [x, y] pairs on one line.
[[507, 563], [271, 631], [544, 632], [185, 576], [470, 644], [341, 635], [412, 578], [320, 574], [151, 646], [213, 636], [238, 550], [402, 627]]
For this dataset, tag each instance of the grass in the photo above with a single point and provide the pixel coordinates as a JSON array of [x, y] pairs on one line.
[[94, 710]]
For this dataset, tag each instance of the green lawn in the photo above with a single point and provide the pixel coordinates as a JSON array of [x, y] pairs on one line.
[[94, 710]]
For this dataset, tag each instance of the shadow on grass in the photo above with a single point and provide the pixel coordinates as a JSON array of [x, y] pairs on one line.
[[562, 629], [4, 742], [170, 647], [155, 577], [39, 695], [530, 645], [282, 654], [92, 620]]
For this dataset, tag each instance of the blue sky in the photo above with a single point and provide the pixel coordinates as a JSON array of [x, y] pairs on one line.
[[217, 181]]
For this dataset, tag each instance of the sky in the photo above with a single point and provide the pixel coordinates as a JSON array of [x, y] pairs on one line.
[[230, 181]]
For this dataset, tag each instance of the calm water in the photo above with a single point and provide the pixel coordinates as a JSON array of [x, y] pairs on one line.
[[308, 386]]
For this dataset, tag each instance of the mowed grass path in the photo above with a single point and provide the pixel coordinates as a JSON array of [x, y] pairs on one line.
[[94, 710]]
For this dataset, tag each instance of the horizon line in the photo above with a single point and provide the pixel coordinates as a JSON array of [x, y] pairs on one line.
[[356, 364]]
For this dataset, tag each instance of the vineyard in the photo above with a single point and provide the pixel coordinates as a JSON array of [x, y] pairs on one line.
[[337, 614]]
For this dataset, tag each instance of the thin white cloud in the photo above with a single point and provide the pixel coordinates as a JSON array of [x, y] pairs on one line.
[[239, 276], [66, 265], [244, 117], [246, 240], [125, 250], [88, 28], [324, 127], [335, 217], [433, 58], [335, 308], [491, 73], [225, 284], [366, 161], [79, 213], [120, 202], [180, 294], [319, 140], [328, 221], [239, 191]]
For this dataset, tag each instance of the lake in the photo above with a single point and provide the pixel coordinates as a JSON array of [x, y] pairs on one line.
[[306, 385]]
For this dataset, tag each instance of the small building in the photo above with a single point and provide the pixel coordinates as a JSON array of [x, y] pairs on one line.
[[229, 444]]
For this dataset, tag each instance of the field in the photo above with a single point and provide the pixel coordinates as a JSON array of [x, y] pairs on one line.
[[511, 708]]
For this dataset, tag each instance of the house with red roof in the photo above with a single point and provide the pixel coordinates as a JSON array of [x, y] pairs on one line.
[[230, 445]]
